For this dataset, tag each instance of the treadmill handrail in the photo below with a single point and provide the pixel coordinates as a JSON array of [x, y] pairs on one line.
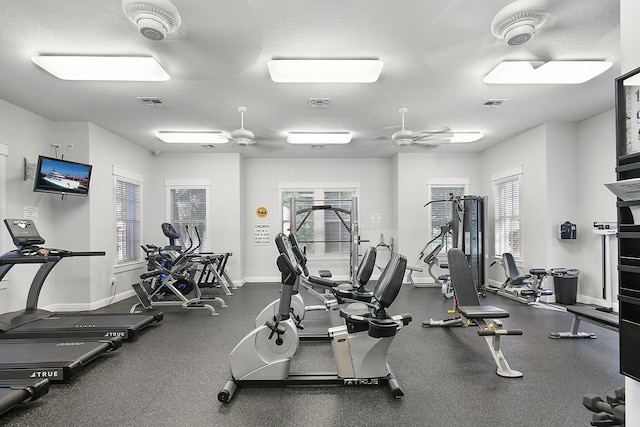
[[8, 260]]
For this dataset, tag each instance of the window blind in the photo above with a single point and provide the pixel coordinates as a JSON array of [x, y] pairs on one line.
[[188, 212], [128, 220], [507, 216]]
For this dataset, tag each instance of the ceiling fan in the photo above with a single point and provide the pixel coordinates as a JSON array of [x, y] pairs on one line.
[[405, 137], [243, 136]]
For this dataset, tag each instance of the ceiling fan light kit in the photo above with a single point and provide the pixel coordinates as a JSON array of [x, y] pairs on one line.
[[243, 136]]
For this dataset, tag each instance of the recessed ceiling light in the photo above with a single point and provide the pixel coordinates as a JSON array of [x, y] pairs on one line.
[[319, 138], [110, 68], [205, 137], [552, 72], [461, 137], [325, 70]]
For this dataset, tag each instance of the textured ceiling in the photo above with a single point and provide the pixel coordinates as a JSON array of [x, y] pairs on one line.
[[435, 54]]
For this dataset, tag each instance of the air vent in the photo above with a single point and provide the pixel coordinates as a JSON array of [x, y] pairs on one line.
[[491, 103], [151, 101], [319, 102]]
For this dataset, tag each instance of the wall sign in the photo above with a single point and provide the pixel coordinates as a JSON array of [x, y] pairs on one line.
[[261, 234], [262, 212]]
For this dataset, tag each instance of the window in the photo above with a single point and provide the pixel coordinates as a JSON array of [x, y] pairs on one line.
[[322, 231], [128, 205], [506, 189], [187, 212], [442, 212]]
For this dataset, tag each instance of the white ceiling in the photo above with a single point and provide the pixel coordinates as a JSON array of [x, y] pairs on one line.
[[435, 54]]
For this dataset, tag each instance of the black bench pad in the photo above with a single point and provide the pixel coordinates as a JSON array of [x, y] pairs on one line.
[[482, 311], [589, 313]]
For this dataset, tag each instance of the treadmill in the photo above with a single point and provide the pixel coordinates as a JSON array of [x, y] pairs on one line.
[[33, 322], [14, 392]]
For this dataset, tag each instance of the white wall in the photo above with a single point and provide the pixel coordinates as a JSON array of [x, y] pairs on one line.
[[222, 172], [596, 158], [107, 150], [413, 170], [27, 135], [528, 150], [261, 178]]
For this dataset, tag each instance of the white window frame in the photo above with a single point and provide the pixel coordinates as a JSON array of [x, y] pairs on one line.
[[190, 184], [319, 190], [137, 179], [442, 182], [514, 174]]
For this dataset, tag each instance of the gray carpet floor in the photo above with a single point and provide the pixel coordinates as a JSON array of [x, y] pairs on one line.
[[171, 373]]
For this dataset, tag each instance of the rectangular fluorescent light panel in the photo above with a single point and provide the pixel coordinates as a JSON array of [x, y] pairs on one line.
[[552, 72], [325, 70], [171, 137], [462, 137], [109, 68], [319, 138]]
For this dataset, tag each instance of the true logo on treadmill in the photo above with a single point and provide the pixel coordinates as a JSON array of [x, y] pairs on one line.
[[44, 374], [114, 334]]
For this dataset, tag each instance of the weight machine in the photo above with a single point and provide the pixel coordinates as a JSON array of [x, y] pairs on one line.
[[467, 230], [350, 224]]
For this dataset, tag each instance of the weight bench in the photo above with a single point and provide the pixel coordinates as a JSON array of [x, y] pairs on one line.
[[469, 308], [589, 314]]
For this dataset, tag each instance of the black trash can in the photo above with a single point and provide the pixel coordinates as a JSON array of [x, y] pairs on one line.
[[566, 288]]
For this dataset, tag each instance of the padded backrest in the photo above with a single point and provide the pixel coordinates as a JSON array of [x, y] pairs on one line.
[[284, 247], [462, 278], [170, 232], [509, 265], [390, 281], [365, 269]]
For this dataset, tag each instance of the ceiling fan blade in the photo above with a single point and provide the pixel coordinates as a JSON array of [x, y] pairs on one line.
[[433, 136]]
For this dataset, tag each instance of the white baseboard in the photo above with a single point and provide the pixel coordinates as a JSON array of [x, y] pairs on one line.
[[263, 279], [73, 307]]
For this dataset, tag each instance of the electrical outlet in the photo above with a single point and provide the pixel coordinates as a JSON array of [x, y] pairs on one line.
[[113, 281], [55, 145], [70, 147]]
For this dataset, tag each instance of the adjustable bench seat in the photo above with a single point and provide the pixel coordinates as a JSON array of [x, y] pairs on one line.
[[592, 315], [482, 312], [470, 308]]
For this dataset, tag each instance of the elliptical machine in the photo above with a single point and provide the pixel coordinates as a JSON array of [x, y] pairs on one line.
[[173, 276], [263, 357]]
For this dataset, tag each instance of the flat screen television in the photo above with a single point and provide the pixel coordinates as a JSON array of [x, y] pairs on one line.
[[62, 177]]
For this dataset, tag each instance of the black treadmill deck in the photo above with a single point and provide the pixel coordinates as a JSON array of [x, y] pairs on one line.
[[50, 359], [78, 325]]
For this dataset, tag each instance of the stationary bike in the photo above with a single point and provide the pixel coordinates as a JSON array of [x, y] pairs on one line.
[[331, 301], [263, 357]]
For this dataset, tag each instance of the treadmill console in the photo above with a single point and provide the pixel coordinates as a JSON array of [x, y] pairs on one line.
[[23, 232]]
